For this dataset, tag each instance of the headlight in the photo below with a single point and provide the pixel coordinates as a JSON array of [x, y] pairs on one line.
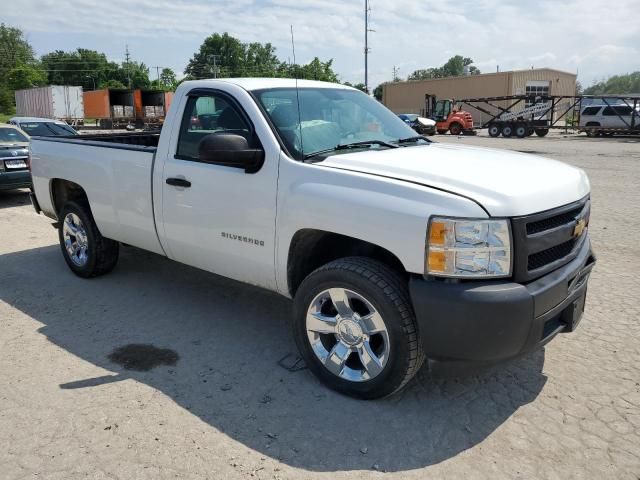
[[468, 248]]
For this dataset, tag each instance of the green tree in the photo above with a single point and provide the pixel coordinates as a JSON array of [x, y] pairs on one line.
[[26, 76], [87, 68], [377, 92], [18, 66], [168, 78], [15, 51], [454, 67], [81, 67], [222, 55], [358, 86], [111, 84], [219, 56], [617, 84]]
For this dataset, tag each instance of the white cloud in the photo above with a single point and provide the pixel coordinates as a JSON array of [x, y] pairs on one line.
[[584, 35]]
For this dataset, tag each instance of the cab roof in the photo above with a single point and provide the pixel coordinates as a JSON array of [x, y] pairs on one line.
[[263, 83]]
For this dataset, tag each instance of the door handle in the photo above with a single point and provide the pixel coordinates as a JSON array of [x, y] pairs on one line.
[[178, 182]]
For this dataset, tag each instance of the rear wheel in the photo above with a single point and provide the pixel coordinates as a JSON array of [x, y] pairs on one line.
[[86, 251], [507, 130], [355, 328], [521, 131], [541, 132], [455, 128], [495, 130]]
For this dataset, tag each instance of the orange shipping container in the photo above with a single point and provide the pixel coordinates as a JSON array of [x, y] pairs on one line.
[[96, 104]]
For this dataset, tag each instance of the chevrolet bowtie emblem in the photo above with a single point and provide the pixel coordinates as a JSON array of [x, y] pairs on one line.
[[579, 228]]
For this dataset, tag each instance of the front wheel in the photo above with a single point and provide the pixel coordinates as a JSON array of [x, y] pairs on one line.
[[521, 131], [455, 129], [86, 251], [355, 328]]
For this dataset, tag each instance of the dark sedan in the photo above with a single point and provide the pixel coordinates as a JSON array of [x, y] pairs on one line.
[[14, 157]]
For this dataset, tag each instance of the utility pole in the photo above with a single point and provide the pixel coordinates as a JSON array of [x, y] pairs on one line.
[[157, 73], [214, 59], [367, 11], [395, 73], [126, 56]]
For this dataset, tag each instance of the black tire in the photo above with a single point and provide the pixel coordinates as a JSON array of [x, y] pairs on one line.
[[541, 132], [520, 131], [455, 128], [387, 292], [495, 130], [102, 253], [530, 131], [507, 130]]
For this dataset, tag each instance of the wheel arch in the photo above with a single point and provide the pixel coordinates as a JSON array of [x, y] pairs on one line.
[[62, 191], [311, 248]]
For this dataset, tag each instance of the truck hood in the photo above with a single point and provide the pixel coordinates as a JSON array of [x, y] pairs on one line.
[[504, 182]]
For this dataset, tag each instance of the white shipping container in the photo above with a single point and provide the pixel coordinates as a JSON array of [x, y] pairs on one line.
[[117, 111], [61, 102]]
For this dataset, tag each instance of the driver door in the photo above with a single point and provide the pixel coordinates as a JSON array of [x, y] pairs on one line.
[[214, 216]]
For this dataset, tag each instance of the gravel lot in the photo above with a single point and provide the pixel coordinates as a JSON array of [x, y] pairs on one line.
[[230, 409]]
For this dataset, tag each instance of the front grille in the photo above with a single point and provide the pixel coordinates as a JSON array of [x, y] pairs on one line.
[[553, 222], [550, 255], [545, 241]]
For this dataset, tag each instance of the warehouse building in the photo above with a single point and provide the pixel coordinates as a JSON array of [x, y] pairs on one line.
[[409, 96]]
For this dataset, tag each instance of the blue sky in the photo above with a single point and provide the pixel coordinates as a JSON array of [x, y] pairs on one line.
[[587, 36]]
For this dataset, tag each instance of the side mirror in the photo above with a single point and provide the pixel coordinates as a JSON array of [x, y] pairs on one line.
[[231, 150]]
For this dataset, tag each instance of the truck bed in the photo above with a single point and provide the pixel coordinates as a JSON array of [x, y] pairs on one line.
[[115, 171], [148, 140]]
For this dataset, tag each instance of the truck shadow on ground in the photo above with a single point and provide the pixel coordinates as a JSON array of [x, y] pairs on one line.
[[230, 338], [14, 198]]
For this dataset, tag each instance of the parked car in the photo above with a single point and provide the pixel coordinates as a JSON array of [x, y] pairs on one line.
[[42, 127], [609, 119], [393, 248], [422, 125], [14, 153]]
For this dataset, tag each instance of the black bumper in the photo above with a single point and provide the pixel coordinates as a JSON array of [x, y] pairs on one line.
[[10, 180], [496, 320]]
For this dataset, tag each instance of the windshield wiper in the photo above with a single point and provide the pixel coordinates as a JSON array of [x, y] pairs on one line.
[[413, 139], [346, 146]]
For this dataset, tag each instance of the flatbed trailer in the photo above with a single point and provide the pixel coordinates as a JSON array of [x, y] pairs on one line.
[[524, 115]]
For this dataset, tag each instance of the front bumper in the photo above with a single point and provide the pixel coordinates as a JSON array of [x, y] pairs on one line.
[[11, 180], [496, 320]]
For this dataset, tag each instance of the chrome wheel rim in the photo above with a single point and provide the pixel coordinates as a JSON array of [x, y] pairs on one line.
[[75, 239], [347, 334]]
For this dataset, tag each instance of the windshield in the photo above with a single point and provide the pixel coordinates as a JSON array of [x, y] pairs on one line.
[[11, 135], [47, 129], [328, 117]]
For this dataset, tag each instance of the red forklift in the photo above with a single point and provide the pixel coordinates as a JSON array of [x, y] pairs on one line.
[[448, 116]]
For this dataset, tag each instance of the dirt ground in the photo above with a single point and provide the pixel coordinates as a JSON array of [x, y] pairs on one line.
[[224, 401]]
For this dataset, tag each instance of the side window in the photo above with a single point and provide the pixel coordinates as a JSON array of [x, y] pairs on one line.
[[609, 112], [590, 110], [204, 115], [623, 110]]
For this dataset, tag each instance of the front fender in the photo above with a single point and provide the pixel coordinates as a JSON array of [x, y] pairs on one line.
[[391, 214]]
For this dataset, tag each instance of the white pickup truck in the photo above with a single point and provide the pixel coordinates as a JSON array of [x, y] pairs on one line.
[[393, 248]]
